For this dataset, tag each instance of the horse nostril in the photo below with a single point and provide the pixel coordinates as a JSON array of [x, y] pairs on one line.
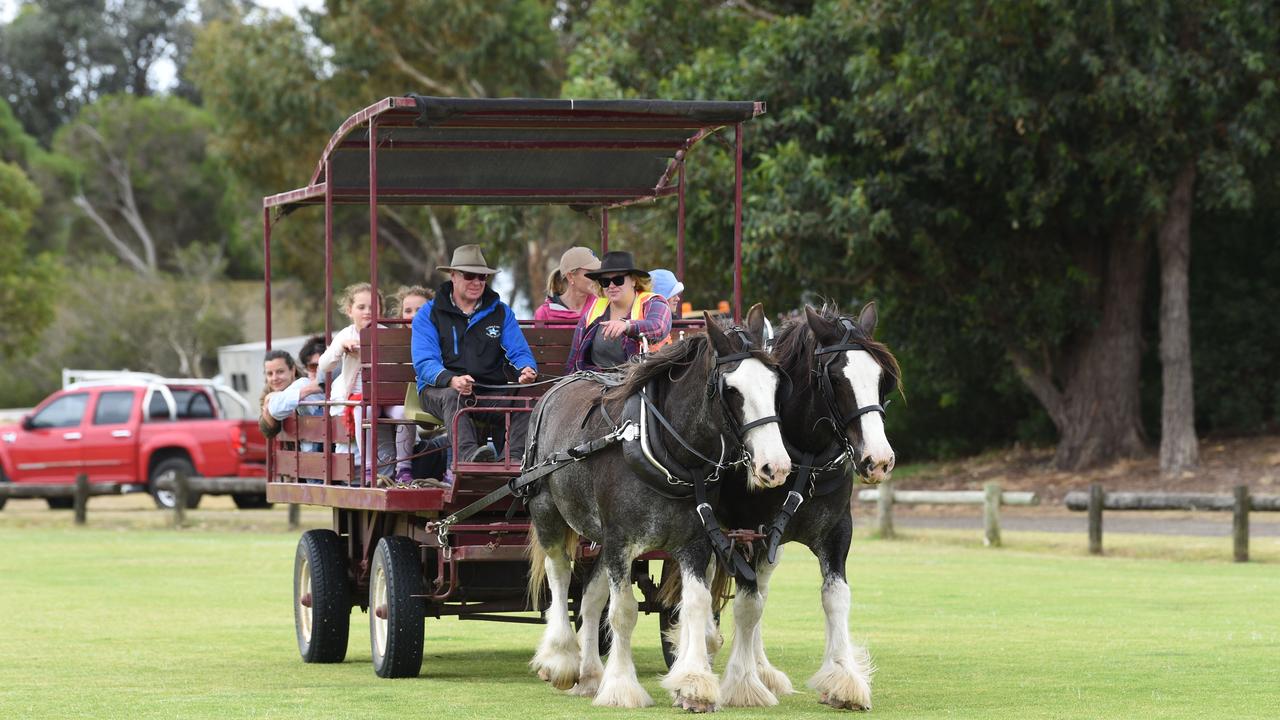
[[767, 470]]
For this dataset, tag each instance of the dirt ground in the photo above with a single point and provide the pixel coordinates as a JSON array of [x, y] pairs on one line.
[[1224, 464]]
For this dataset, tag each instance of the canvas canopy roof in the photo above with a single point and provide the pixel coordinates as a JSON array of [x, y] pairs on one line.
[[455, 151]]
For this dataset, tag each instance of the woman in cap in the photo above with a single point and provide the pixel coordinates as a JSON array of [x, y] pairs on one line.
[[615, 327], [568, 289]]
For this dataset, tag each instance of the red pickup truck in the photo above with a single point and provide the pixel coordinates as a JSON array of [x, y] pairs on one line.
[[135, 432]]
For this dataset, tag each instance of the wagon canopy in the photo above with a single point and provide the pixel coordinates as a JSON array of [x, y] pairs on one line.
[[453, 151]]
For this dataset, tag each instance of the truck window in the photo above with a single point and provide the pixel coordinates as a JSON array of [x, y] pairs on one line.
[[66, 411], [157, 409], [114, 407], [192, 404]]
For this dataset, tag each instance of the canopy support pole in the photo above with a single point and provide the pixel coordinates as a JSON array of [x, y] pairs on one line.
[[328, 303], [737, 225], [370, 457], [266, 276], [680, 225]]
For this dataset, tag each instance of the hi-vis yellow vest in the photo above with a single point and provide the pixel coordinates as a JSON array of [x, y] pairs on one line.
[[599, 305]]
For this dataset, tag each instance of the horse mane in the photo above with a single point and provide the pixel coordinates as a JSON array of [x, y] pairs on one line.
[[674, 361], [795, 342]]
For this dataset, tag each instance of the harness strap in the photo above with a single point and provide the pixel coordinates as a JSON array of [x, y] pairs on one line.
[[662, 420], [520, 486], [737, 565]]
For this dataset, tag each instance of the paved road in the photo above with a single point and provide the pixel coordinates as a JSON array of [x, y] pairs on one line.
[[1206, 524]]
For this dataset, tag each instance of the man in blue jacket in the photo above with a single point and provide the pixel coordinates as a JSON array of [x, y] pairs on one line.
[[465, 336]]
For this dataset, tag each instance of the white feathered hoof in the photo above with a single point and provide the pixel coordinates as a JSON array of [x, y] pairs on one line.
[[588, 685], [747, 692], [622, 692], [696, 691], [842, 688], [776, 680], [558, 666]]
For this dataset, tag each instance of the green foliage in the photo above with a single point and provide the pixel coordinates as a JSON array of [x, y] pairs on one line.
[[58, 55], [28, 277], [143, 174], [109, 317], [968, 163]]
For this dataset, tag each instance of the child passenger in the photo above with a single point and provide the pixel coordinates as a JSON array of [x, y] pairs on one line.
[[358, 304], [409, 300]]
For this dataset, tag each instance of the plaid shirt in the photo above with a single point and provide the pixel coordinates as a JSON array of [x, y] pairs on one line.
[[655, 326]]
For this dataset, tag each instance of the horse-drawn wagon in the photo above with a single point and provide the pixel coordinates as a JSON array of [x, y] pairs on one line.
[[714, 432]]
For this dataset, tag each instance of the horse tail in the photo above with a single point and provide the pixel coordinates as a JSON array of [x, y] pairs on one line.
[[537, 570], [538, 563], [672, 585], [721, 587]]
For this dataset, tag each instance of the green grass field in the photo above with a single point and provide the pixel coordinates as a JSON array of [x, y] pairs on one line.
[[129, 619]]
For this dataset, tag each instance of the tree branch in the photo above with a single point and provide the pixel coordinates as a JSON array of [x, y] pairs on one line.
[[125, 252], [752, 10], [1040, 382], [403, 65], [119, 171]]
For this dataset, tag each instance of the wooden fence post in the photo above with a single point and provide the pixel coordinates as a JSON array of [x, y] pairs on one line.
[[181, 490], [295, 516], [1240, 523], [884, 510], [991, 514], [1095, 518], [81, 498]]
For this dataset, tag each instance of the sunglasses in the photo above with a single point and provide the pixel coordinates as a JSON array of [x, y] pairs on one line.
[[472, 277], [614, 280], [313, 366]]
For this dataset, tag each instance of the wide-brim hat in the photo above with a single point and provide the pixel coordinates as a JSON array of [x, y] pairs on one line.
[[468, 258], [616, 262]]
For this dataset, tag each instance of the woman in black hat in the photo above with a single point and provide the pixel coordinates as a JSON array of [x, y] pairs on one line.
[[616, 326]]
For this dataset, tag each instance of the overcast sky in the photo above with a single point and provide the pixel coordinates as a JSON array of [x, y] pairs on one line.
[[8, 8]]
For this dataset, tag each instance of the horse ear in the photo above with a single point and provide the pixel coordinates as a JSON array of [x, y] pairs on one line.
[[867, 318], [719, 342], [822, 328], [755, 323]]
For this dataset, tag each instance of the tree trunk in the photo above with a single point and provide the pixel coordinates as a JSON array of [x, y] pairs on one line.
[[1096, 409], [1178, 448]]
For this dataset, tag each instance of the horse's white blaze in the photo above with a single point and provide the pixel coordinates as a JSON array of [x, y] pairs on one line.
[[759, 389], [863, 373]]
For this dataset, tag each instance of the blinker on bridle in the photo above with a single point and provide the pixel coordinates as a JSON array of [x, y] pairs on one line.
[[716, 383], [847, 343]]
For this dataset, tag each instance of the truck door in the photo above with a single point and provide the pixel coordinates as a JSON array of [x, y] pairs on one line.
[[110, 444], [48, 449]]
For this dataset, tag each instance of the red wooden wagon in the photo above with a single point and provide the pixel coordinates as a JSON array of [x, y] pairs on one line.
[[407, 553]]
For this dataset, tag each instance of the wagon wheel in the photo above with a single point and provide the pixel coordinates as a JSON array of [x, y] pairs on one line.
[[396, 608], [321, 597]]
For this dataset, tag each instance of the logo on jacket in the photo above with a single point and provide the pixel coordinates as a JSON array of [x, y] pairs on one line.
[[493, 331]]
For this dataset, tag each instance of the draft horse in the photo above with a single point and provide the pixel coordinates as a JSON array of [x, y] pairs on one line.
[[714, 396], [833, 423]]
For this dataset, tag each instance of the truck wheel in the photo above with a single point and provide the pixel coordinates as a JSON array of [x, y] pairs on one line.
[[60, 503], [3, 479], [395, 615], [168, 469], [250, 501], [321, 597]]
